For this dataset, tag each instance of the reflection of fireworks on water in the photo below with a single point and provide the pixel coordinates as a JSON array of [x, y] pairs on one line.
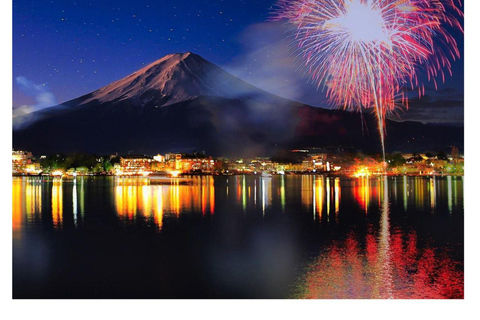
[[356, 269], [366, 51]]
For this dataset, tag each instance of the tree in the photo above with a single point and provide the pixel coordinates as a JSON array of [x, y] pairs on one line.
[[395, 160], [107, 166], [441, 155]]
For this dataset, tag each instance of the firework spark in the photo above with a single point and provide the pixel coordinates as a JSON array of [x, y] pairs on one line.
[[366, 53]]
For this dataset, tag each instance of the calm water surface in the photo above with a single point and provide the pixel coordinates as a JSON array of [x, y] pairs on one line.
[[294, 236]]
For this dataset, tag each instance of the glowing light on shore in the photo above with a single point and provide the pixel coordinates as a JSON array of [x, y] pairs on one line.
[[175, 174], [362, 172], [57, 173]]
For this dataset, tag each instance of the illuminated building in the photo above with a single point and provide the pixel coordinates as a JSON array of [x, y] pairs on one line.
[[159, 158], [133, 165], [293, 167], [172, 156], [33, 168], [172, 160], [317, 162], [20, 160], [205, 165]]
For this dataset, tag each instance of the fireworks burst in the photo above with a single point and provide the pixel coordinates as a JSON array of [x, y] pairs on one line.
[[367, 52]]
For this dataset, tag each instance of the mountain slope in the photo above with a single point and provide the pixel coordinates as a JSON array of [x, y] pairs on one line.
[[172, 79], [184, 103]]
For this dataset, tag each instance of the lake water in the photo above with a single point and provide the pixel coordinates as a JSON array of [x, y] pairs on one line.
[[293, 236]]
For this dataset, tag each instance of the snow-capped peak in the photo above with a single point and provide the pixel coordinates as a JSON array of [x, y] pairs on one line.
[[171, 79]]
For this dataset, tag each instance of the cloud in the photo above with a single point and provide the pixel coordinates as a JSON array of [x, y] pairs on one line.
[[267, 61], [43, 97], [443, 106]]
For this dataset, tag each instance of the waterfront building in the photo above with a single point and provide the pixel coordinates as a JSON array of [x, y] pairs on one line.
[[20, 160], [204, 165], [316, 162], [135, 164], [159, 158]]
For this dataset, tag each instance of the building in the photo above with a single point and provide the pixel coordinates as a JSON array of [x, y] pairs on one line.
[[159, 158], [317, 162], [134, 164], [205, 165], [20, 160]]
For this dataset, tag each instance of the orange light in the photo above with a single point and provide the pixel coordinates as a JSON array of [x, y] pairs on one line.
[[175, 174], [57, 173], [362, 172]]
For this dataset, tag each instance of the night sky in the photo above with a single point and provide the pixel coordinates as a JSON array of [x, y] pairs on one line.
[[64, 49]]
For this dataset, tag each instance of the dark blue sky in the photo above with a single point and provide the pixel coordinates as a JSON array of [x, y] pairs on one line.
[[63, 49]]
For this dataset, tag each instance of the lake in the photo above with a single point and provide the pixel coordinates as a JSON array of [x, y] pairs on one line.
[[289, 236]]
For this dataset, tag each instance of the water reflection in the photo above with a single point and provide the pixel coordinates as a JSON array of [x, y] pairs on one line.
[[362, 192], [17, 203], [347, 270], [266, 193], [449, 186], [337, 196], [371, 237], [78, 199], [319, 195], [416, 192], [384, 265], [433, 193], [318, 199], [387, 266], [136, 196], [57, 202]]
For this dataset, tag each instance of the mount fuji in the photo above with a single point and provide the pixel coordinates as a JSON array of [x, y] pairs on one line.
[[183, 103]]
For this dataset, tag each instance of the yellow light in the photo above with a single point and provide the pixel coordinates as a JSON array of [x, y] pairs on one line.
[[175, 174], [57, 173], [363, 172]]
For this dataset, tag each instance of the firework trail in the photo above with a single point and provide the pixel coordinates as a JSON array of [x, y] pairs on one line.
[[366, 53]]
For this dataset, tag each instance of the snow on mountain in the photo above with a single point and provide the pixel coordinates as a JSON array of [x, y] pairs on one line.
[[172, 79]]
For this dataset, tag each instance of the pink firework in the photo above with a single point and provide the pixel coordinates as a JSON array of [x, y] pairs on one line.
[[367, 52]]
